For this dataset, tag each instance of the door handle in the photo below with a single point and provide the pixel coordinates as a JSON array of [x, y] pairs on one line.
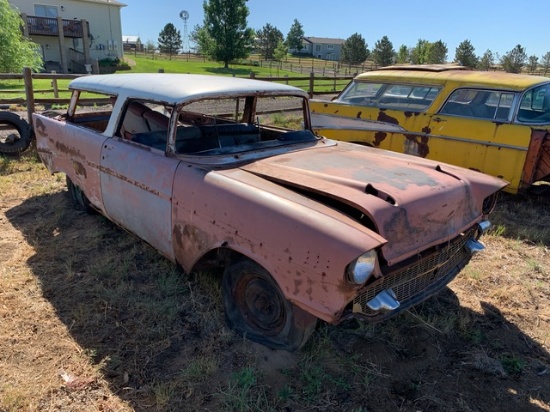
[[439, 119]]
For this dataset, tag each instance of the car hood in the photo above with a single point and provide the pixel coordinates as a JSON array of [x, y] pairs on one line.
[[412, 202]]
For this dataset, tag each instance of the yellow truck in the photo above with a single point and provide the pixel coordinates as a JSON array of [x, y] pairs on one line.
[[494, 122]]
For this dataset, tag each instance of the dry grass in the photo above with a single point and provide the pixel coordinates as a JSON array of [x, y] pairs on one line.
[[92, 319]]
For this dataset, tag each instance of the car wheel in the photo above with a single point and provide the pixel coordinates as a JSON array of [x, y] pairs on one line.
[[78, 198], [256, 308]]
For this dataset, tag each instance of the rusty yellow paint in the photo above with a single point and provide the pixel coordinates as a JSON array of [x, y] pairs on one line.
[[495, 148]]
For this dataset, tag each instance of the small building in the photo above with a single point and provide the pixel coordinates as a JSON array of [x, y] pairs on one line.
[[322, 47], [132, 43], [72, 34]]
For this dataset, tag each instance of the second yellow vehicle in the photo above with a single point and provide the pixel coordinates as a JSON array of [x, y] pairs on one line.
[[494, 122]]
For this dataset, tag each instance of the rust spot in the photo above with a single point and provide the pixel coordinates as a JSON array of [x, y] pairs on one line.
[[325, 105], [297, 284], [383, 117], [80, 169], [379, 138], [177, 234], [359, 114], [426, 130], [41, 127]]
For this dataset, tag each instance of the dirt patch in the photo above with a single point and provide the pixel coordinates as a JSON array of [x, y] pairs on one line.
[[93, 319]]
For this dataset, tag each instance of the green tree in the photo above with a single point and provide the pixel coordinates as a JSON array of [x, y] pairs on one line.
[[403, 54], [295, 36], [514, 60], [532, 64], [268, 38], [16, 51], [225, 33], [487, 61], [280, 51], [465, 56], [354, 50], [150, 46], [383, 52], [545, 62], [169, 40], [437, 53], [419, 53]]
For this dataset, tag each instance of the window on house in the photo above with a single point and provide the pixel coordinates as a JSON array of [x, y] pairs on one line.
[[318, 47], [45, 11], [330, 47]]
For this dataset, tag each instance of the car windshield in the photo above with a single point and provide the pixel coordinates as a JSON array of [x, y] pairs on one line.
[[239, 124]]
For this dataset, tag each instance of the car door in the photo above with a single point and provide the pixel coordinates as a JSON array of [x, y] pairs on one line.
[[136, 183], [473, 129]]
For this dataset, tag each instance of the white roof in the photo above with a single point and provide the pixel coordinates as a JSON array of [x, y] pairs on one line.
[[178, 88]]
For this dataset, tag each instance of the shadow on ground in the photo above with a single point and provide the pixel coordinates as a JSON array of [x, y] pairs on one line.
[[160, 339]]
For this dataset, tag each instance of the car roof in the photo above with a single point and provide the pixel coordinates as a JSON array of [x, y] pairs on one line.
[[440, 74], [178, 88]]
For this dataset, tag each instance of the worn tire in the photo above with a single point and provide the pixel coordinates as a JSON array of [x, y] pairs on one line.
[[256, 308], [78, 198], [14, 143]]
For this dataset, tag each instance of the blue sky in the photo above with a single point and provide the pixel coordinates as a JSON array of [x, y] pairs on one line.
[[488, 24]]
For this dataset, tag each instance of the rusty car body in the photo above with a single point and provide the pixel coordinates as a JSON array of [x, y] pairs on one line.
[[227, 171], [494, 122]]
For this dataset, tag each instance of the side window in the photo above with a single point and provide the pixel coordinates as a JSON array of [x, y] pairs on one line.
[[145, 123], [407, 97], [390, 96], [360, 93], [479, 104], [535, 105]]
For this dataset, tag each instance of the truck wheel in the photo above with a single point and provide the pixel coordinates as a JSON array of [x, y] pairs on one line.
[[78, 198], [15, 134], [256, 308]]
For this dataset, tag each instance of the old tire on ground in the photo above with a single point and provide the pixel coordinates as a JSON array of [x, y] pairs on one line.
[[256, 308], [15, 134], [78, 198]]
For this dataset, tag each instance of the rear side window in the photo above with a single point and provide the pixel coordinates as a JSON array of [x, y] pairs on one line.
[[479, 104], [390, 96]]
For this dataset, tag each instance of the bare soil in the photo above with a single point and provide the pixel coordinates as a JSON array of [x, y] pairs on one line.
[[93, 319]]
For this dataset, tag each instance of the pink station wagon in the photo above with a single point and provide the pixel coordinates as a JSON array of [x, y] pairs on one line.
[[227, 171]]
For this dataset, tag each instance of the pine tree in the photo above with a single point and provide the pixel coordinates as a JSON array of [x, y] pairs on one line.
[[383, 53], [268, 39], [465, 56], [354, 50], [295, 36], [169, 40]]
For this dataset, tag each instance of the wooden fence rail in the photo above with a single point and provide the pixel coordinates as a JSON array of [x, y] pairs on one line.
[[329, 84]]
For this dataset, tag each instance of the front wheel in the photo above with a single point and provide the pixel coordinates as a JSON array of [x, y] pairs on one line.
[[78, 198], [256, 308]]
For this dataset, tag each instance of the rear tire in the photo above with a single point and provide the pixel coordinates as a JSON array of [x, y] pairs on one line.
[[256, 308], [15, 134]]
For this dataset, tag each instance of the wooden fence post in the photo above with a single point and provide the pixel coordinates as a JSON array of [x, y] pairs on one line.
[[29, 93], [311, 84], [54, 84]]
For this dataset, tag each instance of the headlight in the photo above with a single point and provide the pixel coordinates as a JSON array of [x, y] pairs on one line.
[[362, 268]]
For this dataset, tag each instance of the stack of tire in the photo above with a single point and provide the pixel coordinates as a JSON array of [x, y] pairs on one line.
[[15, 133]]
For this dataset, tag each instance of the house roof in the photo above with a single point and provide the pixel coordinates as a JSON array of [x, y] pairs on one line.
[[130, 39], [323, 40]]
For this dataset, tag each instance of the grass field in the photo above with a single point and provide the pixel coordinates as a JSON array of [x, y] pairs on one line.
[[11, 89], [93, 319]]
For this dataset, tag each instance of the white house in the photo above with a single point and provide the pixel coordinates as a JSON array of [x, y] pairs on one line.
[[322, 47], [73, 33]]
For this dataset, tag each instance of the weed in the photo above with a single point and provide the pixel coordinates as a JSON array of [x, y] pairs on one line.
[[512, 364]]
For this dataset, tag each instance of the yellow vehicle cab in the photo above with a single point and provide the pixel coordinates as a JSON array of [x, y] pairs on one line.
[[494, 122]]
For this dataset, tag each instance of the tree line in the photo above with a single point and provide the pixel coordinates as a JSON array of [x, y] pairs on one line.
[[225, 36]]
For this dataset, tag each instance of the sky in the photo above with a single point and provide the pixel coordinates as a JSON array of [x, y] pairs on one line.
[[497, 25]]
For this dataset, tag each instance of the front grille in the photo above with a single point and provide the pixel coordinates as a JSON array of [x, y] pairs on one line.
[[416, 279]]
